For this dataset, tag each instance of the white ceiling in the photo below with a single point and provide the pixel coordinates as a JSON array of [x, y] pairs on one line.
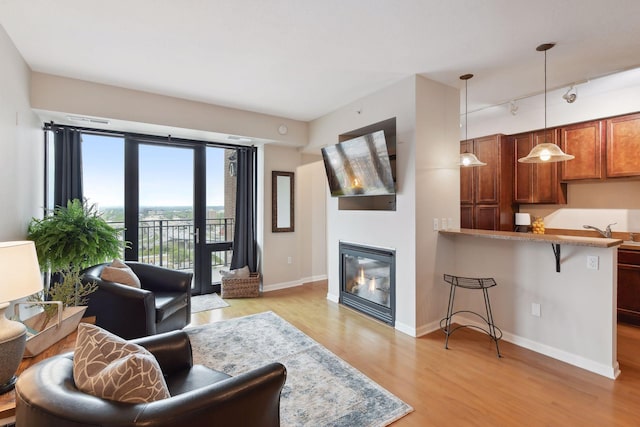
[[301, 59]]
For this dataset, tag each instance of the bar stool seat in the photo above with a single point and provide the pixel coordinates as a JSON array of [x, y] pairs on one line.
[[470, 283]]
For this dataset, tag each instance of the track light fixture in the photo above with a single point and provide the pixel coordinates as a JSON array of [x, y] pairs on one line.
[[570, 96], [513, 108]]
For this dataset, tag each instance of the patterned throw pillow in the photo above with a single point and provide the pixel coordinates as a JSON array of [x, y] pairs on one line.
[[240, 273], [109, 367], [120, 272]]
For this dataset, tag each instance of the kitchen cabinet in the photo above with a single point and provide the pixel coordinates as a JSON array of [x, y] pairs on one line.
[[536, 182], [486, 192], [623, 146], [466, 176], [586, 141], [629, 286]]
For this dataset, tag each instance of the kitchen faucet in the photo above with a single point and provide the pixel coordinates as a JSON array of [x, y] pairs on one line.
[[606, 233]]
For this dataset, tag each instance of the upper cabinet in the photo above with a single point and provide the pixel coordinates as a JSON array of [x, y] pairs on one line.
[[603, 149], [488, 177], [536, 182], [466, 176], [623, 146], [586, 142], [486, 195]]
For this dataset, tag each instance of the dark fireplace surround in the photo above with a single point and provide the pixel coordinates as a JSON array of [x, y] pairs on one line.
[[367, 280]]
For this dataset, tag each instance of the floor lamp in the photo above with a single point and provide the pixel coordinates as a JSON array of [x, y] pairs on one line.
[[20, 274]]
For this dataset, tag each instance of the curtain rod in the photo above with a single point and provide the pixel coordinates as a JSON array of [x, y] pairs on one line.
[[142, 137]]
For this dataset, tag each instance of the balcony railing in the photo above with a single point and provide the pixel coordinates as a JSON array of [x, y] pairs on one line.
[[171, 242]]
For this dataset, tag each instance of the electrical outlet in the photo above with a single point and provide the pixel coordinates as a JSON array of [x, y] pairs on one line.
[[535, 309], [289, 260], [435, 224], [443, 223], [592, 262]]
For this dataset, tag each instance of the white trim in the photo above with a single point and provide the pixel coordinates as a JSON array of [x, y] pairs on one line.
[[333, 298], [555, 353], [293, 283], [315, 278], [564, 356], [282, 285], [428, 328], [405, 329]]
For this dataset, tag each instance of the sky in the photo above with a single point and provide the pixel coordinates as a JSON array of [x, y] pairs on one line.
[[166, 173]]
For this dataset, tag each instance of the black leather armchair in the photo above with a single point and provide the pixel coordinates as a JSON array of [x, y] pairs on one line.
[[46, 394], [162, 304]]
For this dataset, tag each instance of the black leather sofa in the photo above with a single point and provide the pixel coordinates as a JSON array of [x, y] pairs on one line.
[[162, 304], [46, 395]]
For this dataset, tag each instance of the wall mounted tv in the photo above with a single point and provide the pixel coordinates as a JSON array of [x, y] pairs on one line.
[[360, 166]]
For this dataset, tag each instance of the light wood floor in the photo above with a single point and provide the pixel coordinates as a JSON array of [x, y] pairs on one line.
[[466, 385]]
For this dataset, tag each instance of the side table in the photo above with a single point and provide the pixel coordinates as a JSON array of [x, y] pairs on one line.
[[8, 400]]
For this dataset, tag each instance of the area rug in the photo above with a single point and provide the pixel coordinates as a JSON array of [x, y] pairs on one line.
[[321, 389], [207, 302]]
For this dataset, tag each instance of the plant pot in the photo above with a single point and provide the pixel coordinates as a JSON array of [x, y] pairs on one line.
[[52, 332]]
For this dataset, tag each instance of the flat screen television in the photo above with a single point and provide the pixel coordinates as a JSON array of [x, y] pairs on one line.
[[359, 167]]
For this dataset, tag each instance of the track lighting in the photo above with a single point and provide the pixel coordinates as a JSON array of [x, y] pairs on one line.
[[513, 108], [569, 96]]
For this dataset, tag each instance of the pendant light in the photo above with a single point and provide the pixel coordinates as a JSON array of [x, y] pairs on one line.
[[546, 152], [467, 159]]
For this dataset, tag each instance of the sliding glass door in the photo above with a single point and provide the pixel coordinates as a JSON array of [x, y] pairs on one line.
[[166, 222], [176, 201], [216, 202]]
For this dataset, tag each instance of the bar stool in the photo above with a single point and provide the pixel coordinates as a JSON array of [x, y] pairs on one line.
[[470, 283]]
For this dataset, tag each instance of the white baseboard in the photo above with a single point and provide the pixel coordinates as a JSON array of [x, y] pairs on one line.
[[555, 353], [281, 285], [333, 297], [419, 331], [293, 283], [428, 328], [405, 329], [315, 278]]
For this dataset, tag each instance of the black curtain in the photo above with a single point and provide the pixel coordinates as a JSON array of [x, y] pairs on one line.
[[68, 166], [244, 242]]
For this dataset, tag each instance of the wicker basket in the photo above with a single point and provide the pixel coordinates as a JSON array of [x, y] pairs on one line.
[[247, 287]]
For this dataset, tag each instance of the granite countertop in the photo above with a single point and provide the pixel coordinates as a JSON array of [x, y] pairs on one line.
[[596, 242]]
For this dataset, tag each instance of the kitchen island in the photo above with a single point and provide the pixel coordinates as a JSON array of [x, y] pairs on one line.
[[556, 294]]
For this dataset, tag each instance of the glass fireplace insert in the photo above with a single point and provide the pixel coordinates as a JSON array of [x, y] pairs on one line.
[[367, 280]]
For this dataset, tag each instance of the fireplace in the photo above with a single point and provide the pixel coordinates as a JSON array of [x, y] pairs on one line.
[[367, 280]]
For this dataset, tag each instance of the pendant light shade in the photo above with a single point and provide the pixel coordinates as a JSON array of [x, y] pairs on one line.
[[470, 159], [546, 152], [467, 159]]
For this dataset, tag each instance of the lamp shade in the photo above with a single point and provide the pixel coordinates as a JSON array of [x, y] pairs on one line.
[[19, 269], [470, 159], [546, 153]]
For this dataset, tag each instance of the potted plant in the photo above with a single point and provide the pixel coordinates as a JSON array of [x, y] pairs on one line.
[[72, 238]]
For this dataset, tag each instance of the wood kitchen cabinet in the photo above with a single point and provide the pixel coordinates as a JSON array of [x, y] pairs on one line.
[[486, 192], [629, 286], [623, 146], [586, 141], [466, 177], [536, 182]]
